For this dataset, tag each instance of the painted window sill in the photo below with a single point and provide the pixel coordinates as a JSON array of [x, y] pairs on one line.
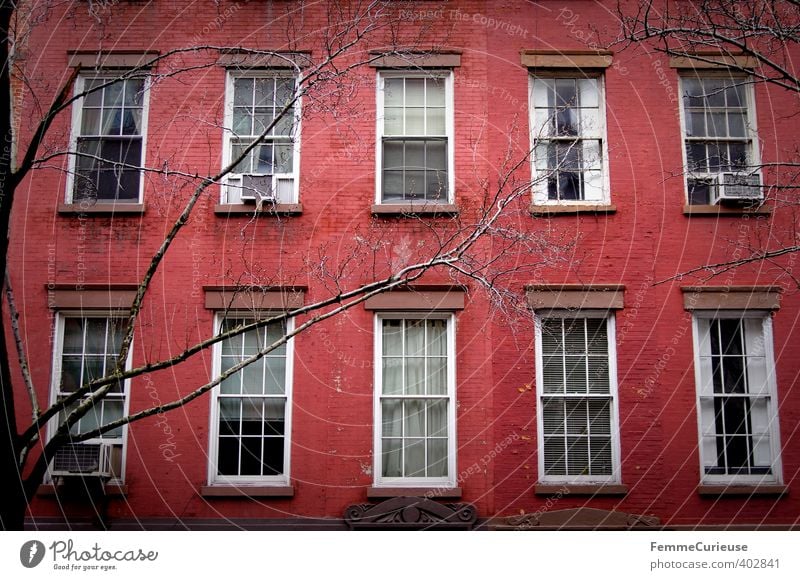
[[715, 490], [723, 210], [614, 489], [429, 492], [100, 208], [235, 209], [247, 491], [572, 209], [111, 490], [414, 209]]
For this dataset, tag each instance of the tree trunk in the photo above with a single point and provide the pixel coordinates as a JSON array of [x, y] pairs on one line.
[[13, 501]]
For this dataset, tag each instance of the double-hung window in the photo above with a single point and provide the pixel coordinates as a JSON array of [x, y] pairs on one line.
[[577, 407], [269, 171], [719, 133], [568, 136], [87, 348], [414, 400], [736, 404], [251, 408], [415, 138], [108, 140]]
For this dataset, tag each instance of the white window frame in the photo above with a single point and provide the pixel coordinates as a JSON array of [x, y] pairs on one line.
[[776, 476], [228, 134], [539, 183], [77, 114], [243, 480], [58, 351], [616, 470], [447, 75], [445, 482], [752, 127]]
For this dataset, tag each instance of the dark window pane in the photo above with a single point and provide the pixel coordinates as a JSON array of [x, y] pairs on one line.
[[273, 455], [251, 456], [699, 192], [228, 456], [731, 335]]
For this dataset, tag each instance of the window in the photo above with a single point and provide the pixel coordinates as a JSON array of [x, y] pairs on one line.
[[736, 398], [415, 138], [269, 171], [576, 385], [568, 136], [414, 401], [251, 408], [87, 348], [108, 133], [719, 134]]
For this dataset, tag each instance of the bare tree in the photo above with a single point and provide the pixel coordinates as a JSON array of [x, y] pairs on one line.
[[757, 44], [481, 246]]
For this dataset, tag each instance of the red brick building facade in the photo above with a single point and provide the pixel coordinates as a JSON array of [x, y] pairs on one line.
[[674, 401]]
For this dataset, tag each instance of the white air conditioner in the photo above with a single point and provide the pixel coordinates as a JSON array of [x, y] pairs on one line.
[[82, 460], [736, 187], [258, 188]]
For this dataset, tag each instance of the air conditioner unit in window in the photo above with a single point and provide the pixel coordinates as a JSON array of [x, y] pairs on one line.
[[736, 187], [82, 460], [258, 188]]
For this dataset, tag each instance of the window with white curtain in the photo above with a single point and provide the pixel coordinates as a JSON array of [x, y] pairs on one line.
[[568, 136], [414, 400], [576, 384], [415, 137], [736, 403], [251, 408]]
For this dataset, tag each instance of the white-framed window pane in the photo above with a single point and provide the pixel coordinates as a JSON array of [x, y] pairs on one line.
[[414, 139], [576, 398], [251, 405], [735, 397], [414, 399], [567, 130]]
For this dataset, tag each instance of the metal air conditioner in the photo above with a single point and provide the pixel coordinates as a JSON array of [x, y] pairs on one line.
[[258, 188], [82, 460], [736, 187]]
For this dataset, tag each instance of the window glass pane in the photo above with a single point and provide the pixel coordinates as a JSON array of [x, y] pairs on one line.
[[578, 456], [590, 125], [112, 122], [437, 380], [435, 92], [393, 121], [543, 92], [253, 378], [262, 155], [95, 98], [600, 456], [133, 92], [242, 121], [553, 417], [252, 416], [599, 416], [132, 122], [112, 411], [264, 92], [393, 154], [284, 158], [577, 417], [393, 92], [415, 121], [414, 418], [736, 124], [415, 155], [95, 335], [714, 90], [113, 95], [553, 374], [275, 416], [90, 121], [276, 375], [73, 335], [228, 456], [393, 337], [392, 376], [284, 92], [70, 373], [437, 418], [243, 92], [415, 376], [229, 413], [437, 338], [566, 93], [437, 457], [436, 122], [251, 449], [415, 92], [436, 155], [555, 456], [587, 89], [414, 457], [392, 458], [392, 413]]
